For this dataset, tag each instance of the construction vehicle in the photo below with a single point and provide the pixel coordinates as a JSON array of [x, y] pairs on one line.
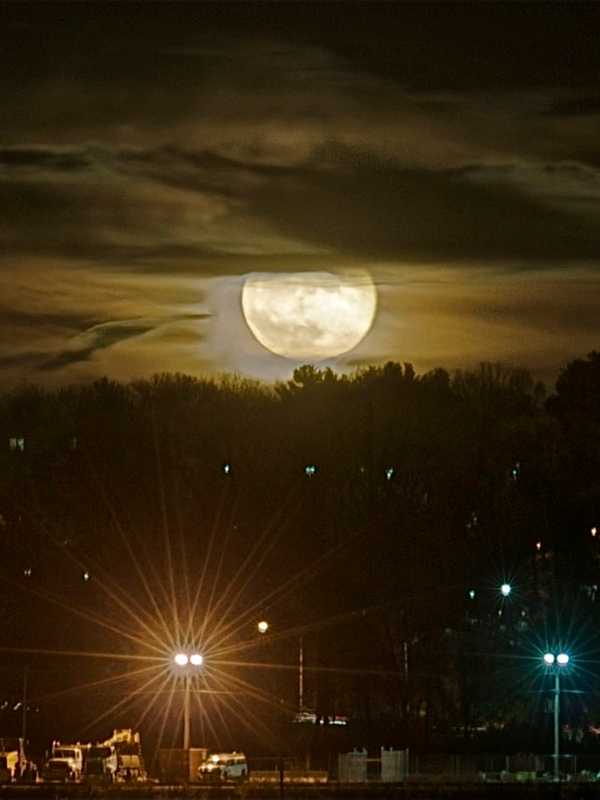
[[65, 763], [12, 757], [128, 749], [101, 764]]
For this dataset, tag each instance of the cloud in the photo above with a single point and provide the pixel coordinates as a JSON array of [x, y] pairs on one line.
[[84, 346], [583, 104], [172, 205], [125, 206], [209, 153]]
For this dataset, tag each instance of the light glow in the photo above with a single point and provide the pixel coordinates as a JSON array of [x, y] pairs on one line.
[[562, 659], [181, 659], [549, 658], [196, 659], [263, 626], [505, 589]]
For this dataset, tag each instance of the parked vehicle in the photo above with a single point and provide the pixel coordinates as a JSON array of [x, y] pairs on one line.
[[101, 764], [130, 761], [224, 767], [65, 763]]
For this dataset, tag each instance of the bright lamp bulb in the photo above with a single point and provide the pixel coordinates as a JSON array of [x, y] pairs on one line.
[[549, 658], [505, 589], [181, 659], [562, 659], [196, 659], [263, 626]]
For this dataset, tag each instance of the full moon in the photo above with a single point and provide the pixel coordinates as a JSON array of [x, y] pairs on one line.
[[309, 316]]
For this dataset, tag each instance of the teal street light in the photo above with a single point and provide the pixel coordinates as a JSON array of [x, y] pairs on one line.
[[556, 663], [184, 663]]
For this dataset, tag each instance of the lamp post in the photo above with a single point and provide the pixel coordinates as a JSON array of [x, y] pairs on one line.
[[301, 675], [263, 627], [555, 663], [186, 664]]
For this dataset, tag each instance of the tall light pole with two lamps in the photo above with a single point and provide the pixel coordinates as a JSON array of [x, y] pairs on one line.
[[187, 664], [555, 663]]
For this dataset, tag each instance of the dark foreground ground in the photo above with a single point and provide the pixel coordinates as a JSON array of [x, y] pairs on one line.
[[331, 791]]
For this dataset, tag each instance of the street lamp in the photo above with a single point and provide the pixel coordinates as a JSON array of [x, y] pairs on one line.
[[505, 589], [556, 663], [263, 627], [185, 662]]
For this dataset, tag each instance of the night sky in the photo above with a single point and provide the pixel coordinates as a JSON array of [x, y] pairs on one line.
[[153, 156]]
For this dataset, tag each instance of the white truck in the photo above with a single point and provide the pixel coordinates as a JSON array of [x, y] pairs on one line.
[[65, 763], [224, 767]]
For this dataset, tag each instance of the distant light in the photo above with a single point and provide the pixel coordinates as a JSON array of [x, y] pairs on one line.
[[594, 531], [196, 659], [562, 659], [505, 589], [310, 470], [181, 659], [549, 658], [86, 576], [472, 594], [227, 469], [538, 545], [27, 572], [389, 473], [263, 626]]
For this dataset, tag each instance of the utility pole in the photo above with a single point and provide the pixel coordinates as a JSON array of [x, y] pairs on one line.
[[186, 712], [556, 725], [24, 715], [24, 709], [301, 675]]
